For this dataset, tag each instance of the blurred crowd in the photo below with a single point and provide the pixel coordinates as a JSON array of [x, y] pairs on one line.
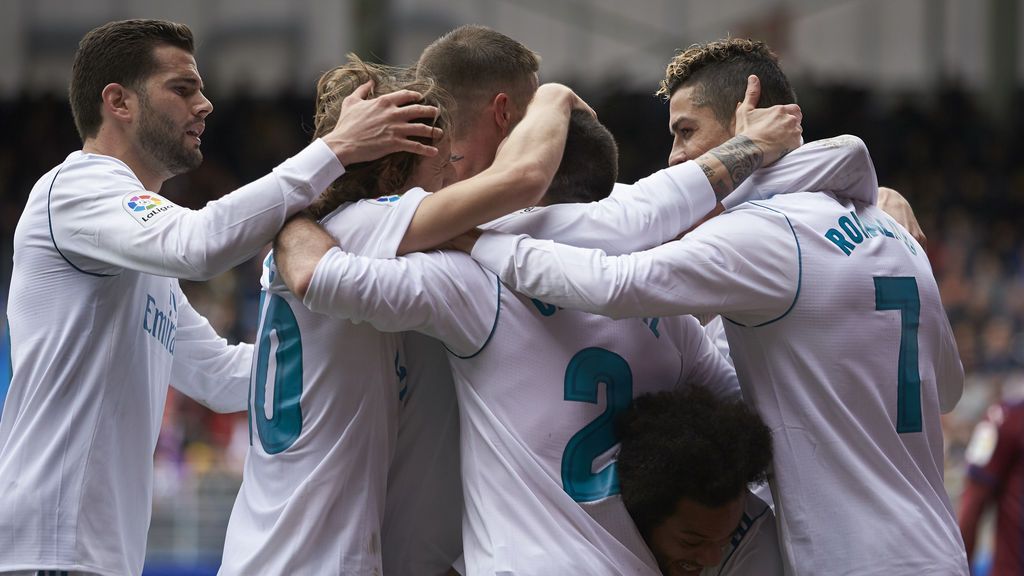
[[961, 167]]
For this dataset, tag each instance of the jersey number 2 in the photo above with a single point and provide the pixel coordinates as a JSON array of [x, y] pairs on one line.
[[278, 365], [586, 370], [900, 293]]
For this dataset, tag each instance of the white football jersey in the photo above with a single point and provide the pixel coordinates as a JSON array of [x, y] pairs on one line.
[[99, 328], [840, 340], [323, 416], [422, 534], [423, 523], [539, 388]]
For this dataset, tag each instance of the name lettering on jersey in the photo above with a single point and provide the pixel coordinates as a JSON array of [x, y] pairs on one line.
[[161, 324], [850, 232], [144, 208], [548, 310]]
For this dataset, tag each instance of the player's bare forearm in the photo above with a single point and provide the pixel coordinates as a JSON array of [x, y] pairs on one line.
[[729, 164], [895, 205], [298, 248], [518, 178]]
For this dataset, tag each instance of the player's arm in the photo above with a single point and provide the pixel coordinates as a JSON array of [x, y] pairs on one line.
[[895, 205], [662, 205], [657, 208], [207, 368], [744, 265], [704, 365], [841, 165], [111, 223], [443, 295], [520, 174]]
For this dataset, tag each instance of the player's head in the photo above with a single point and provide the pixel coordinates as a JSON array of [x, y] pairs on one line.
[[684, 465], [492, 79], [705, 82], [590, 163], [395, 172], [140, 77]]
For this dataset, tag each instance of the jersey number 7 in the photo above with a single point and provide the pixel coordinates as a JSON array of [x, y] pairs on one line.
[[900, 293]]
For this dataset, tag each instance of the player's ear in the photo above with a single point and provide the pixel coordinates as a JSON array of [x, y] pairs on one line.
[[502, 113], [116, 100]]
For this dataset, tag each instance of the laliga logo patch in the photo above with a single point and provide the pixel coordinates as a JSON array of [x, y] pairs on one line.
[[144, 208], [143, 202]]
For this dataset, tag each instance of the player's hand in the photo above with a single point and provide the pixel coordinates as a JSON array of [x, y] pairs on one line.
[[895, 205], [369, 129], [775, 130], [560, 93]]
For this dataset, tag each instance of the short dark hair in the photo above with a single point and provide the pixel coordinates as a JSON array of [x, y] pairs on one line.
[[117, 52], [719, 72], [590, 162], [688, 444], [385, 175], [473, 63]]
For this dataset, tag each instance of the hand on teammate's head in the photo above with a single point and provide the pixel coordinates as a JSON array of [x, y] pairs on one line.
[[369, 129], [776, 130]]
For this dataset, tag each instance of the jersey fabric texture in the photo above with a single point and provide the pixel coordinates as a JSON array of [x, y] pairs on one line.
[[996, 458], [99, 329], [423, 524], [635, 217], [323, 416], [840, 341], [538, 390]]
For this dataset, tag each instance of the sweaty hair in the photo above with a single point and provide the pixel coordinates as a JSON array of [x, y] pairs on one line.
[[388, 174], [590, 163], [120, 53], [473, 63], [688, 444], [718, 72]]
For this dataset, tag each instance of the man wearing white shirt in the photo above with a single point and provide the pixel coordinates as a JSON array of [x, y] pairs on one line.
[[837, 332], [99, 325]]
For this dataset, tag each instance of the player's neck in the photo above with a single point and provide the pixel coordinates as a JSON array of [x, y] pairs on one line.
[[126, 150]]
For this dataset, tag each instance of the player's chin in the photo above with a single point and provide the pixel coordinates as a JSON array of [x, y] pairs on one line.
[[683, 568]]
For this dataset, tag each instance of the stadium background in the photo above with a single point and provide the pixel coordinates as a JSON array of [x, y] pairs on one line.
[[932, 86]]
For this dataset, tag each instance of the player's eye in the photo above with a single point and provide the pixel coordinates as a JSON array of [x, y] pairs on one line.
[[455, 158]]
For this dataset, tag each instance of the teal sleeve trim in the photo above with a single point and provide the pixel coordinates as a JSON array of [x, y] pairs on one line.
[[494, 327], [800, 272]]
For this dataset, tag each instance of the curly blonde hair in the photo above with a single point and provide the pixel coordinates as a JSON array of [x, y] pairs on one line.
[[386, 175], [719, 72]]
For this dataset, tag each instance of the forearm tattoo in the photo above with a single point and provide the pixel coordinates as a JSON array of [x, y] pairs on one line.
[[717, 181], [740, 157]]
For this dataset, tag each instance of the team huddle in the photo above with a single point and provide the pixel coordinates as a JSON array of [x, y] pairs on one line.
[[477, 352]]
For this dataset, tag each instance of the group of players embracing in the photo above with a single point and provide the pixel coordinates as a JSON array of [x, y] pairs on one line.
[[477, 353]]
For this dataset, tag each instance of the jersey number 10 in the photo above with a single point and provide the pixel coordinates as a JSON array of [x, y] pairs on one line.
[[279, 371]]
